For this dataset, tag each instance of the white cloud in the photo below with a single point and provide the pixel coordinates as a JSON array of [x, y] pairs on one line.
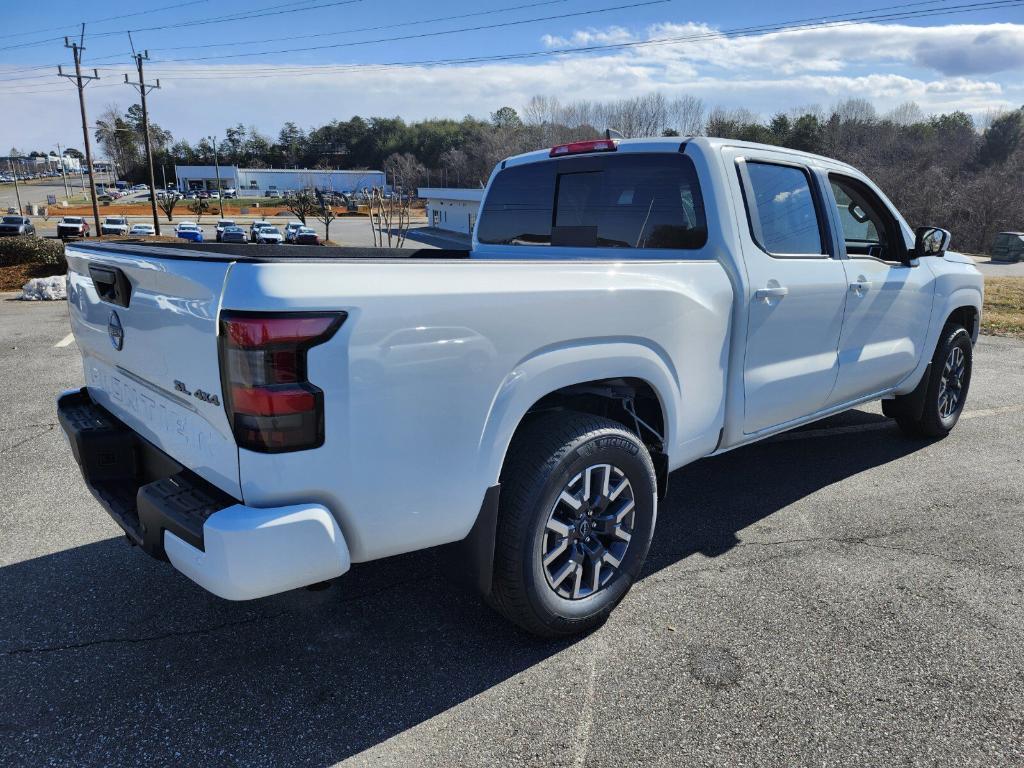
[[584, 37], [941, 68]]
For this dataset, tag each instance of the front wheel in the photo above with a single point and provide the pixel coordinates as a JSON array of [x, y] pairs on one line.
[[948, 382], [577, 512]]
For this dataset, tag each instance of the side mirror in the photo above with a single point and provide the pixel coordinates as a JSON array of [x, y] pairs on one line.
[[931, 241]]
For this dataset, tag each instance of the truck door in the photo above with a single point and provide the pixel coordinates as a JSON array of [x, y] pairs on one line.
[[889, 299], [796, 290]]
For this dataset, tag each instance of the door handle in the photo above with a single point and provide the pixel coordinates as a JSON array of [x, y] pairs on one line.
[[767, 294], [861, 286]]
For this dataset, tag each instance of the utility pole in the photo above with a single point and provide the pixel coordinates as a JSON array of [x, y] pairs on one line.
[[216, 165], [143, 88], [80, 82], [63, 171], [17, 192]]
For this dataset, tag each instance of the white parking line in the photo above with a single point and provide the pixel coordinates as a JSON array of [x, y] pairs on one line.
[[69, 339]]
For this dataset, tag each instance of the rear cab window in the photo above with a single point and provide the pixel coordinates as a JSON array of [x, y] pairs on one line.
[[628, 201], [783, 211]]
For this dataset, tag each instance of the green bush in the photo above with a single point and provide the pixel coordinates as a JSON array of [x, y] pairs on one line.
[[30, 250]]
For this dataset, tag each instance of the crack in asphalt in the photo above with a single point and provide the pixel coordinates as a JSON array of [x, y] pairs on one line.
[[29, 439], [29, 426]]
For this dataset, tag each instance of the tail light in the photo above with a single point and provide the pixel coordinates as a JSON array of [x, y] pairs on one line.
[[271, 405], [584, 147]]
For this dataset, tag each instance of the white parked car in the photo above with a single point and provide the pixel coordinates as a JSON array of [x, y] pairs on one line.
[[255, 227], [269, 235], [142, 230], [114, 225], [291, 228], [627, 308]]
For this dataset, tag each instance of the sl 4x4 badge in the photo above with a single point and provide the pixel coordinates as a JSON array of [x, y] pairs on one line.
[[206, 397]]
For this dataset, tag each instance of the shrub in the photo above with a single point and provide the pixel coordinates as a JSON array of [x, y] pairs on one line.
[[30, 250]]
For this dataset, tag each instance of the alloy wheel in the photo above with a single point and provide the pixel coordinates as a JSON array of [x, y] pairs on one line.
[[588, 531]]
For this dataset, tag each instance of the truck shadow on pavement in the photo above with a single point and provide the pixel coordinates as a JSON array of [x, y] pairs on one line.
[[109, 657]]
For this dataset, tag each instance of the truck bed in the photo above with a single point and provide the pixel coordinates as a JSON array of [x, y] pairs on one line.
[[269, 253]]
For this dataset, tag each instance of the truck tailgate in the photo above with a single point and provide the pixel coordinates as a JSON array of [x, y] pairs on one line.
[[146, 324]]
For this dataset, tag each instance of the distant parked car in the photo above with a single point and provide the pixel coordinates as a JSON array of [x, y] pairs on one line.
[[72, 226], [12, 226], [233, 235], [221, 226], [189, 231], [306, 236], [269, 235], [142, 230], [114, 225], [290, 229], [230, 192]]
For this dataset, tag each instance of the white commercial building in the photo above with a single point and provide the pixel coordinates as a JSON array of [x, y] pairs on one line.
[[256, 182], [453, 209]]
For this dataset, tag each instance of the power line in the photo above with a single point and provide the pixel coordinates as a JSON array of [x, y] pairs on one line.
[[433, 20], [108, 18], [819, 22], [418, 35], [800, 25], [256, 13]]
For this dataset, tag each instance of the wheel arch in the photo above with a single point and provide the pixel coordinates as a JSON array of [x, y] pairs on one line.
[[597, 378], [961, 305]]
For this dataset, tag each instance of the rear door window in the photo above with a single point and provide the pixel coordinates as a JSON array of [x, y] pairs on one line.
[[628, 201], [782, 210]]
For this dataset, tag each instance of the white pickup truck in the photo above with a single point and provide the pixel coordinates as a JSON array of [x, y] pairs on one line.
[[627, 307]]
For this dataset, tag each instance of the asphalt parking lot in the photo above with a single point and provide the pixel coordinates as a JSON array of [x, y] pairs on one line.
[[838, 596]]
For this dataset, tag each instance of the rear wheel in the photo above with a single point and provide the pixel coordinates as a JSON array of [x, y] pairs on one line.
[[577, 512], [946, 393]]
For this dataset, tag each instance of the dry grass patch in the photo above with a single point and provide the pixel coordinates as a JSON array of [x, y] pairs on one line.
[[1003, 314]]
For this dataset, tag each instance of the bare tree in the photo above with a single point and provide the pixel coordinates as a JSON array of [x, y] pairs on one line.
[[199, 206], [167, 203], [687, 115], [323, 213], [406, 172], [389, 218], [302, 204]]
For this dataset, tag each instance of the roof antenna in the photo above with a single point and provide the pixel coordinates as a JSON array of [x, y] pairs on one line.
[[611, 133]]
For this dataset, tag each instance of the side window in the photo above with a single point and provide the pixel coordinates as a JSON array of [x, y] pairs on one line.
[[782, 210], [869, 229], [613, 201]]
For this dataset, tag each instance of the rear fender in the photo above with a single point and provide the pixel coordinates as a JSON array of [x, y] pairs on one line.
[[554, 368]]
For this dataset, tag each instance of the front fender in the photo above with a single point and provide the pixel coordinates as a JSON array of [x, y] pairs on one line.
[[577, 362], [946, 303]]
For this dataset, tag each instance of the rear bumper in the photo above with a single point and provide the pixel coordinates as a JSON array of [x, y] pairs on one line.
[[236, 552]]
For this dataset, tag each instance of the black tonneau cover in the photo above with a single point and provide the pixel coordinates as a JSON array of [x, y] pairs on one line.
[[270, 253]]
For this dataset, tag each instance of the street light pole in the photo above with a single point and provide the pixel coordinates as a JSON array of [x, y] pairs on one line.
[[216, 165]]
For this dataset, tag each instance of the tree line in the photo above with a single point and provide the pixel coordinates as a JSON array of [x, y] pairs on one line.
[[938, 169]]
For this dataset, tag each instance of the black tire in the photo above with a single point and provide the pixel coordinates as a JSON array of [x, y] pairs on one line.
[[547, 455], [937, 419]]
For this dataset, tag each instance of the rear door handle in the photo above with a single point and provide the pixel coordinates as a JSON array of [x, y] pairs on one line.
[[767, 294]]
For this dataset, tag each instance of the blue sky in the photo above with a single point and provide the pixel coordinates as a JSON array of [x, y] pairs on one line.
[[972, 61]]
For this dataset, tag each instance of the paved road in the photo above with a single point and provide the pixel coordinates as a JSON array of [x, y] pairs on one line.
[[35, 191], [842, 596]]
